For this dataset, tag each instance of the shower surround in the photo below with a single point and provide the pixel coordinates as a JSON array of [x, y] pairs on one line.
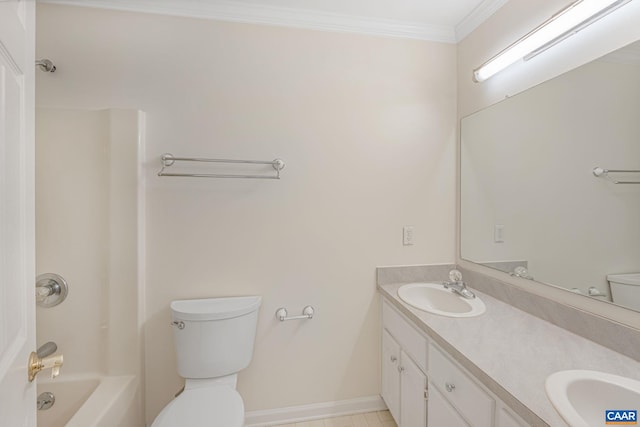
[[87, 230]]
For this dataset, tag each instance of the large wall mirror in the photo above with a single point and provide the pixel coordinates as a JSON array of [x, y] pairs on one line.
[[531, 204]]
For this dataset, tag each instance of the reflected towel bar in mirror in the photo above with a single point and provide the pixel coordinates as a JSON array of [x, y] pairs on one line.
[[604, 173], [169, 159]]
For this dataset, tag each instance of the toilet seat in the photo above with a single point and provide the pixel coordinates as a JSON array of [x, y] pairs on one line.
[[214, 406]]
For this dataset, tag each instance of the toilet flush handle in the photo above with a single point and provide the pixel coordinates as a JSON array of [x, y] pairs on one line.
[[178, 323]]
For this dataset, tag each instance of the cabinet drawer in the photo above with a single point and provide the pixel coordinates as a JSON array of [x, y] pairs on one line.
[[412, 342], [462, 392]]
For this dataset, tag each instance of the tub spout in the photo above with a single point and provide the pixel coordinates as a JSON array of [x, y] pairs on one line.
[[37, 364]]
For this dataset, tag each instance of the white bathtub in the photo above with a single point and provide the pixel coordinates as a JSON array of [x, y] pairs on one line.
[[90, 401]]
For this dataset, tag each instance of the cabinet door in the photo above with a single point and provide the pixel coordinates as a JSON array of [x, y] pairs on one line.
[[441, 413], [413, 383], [391, 375], [506, 419], [460, 390]]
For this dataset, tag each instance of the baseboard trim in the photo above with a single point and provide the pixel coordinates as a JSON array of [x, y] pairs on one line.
[[294, 414]]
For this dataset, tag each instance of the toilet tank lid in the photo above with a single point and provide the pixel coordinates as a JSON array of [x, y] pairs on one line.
[[214, 308], [627, 279]]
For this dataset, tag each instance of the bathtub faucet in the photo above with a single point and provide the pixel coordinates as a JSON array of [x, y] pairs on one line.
[[42, 360]]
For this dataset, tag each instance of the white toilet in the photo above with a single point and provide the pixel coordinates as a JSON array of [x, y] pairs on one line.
[[214, 340], [625, 289]]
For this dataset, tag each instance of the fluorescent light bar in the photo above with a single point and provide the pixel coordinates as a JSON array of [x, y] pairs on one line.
[[563, 24]]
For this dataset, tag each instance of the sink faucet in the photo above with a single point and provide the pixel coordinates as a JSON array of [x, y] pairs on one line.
[[455, 284], [521, 272]]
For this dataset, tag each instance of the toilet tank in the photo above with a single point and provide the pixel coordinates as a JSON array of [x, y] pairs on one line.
[[625, 289], [214, 337]]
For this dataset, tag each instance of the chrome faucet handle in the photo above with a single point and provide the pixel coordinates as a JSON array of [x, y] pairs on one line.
[[455, 284], [455, 276], [521, 272], [51, 290]]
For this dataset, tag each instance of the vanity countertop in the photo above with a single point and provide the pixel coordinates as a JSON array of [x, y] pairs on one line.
[[512, 352]]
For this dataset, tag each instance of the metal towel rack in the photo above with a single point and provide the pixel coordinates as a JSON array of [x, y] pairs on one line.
[[169, 159], [604, 173]]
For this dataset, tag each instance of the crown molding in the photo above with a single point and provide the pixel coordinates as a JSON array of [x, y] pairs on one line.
[[629, 55], [225, 10], [481, 13]]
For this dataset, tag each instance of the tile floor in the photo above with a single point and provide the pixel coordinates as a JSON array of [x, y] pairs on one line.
[[370, 419]]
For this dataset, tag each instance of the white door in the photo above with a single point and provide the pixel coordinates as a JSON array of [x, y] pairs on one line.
[[17, 247]]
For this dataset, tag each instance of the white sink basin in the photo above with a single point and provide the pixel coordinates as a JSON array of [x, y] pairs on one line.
[[434, 298], [581, 397]]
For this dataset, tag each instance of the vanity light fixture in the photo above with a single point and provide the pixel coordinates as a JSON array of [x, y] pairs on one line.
[[565, 23]]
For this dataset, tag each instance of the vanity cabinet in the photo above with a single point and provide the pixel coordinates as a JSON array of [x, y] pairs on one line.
[[448, 396], [404, 382]]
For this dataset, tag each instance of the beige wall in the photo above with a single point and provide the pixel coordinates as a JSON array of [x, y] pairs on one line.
[[512, 21], [367, 128]]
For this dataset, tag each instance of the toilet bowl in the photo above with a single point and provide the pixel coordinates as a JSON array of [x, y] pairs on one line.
[[214, 340], [625, 289], [214, 406]]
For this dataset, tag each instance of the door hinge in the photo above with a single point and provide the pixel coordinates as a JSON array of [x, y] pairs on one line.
[[426, 394]]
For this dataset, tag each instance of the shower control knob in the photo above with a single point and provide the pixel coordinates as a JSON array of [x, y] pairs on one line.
[[51, 290]]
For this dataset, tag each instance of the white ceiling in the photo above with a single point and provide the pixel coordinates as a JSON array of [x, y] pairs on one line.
[[438, 20]]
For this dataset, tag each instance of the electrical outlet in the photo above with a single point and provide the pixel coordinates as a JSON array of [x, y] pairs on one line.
[[407, 235]]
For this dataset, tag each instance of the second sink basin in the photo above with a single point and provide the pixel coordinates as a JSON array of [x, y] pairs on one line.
[[583, 397], [434, 298]]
